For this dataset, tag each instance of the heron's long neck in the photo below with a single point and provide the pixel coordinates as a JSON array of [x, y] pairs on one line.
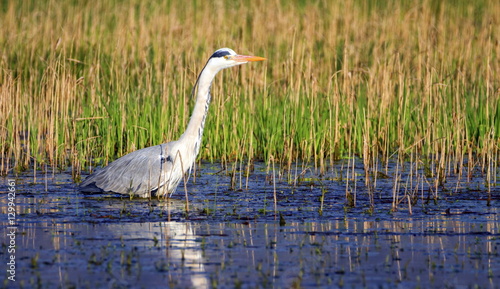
[[194, 131]]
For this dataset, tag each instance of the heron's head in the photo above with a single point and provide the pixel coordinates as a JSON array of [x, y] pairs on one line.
[[222, 58], [225, 57]]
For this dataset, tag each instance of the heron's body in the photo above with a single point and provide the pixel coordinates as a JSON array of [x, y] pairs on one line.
[[159, 169]]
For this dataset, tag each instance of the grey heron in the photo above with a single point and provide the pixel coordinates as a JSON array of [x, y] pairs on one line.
[[157, 170]]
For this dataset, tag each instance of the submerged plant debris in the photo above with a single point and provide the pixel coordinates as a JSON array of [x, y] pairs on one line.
[[266, 229]]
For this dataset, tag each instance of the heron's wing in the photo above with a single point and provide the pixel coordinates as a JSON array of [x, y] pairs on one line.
[[137, 173]]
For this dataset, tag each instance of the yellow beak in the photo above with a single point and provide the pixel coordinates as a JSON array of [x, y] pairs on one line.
[[247, 58]]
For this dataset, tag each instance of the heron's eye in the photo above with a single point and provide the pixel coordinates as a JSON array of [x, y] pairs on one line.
[[226, 57]]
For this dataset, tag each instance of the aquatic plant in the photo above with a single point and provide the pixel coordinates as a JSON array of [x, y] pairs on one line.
[[84, 83]]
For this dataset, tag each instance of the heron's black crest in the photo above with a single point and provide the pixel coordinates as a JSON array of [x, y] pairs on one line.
[[220, 53]]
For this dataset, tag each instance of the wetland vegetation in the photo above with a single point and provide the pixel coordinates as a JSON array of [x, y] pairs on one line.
[[363, 152], [84, 83]]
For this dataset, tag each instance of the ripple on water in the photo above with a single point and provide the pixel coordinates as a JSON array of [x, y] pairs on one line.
[[231, 237]]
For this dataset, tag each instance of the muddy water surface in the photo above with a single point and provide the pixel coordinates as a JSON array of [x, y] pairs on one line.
[[269, 230]]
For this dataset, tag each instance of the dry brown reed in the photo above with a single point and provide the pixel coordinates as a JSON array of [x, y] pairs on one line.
[[83, 81]]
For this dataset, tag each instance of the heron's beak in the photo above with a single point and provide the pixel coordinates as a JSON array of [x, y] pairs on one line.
[[247, 58]]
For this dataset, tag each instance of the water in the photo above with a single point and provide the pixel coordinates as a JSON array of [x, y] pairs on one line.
[[236, 236]]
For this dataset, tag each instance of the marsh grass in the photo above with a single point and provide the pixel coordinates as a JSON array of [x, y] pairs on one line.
[[84, 83]]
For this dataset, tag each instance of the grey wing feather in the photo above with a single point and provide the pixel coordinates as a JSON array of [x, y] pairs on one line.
[[137, 173]]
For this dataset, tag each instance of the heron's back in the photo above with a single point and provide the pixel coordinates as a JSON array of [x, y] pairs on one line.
[[139, 173]]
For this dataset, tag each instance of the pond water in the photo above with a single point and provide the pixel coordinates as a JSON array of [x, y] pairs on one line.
[[269, 230]]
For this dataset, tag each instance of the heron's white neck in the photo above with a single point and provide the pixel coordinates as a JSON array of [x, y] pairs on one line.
[[191, 138]]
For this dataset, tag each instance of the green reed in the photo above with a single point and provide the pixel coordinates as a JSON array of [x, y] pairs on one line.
[[82, 84]]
